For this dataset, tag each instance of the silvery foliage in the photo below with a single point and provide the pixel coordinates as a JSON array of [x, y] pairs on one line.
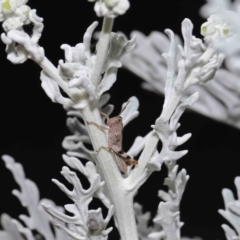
[[94, 225], [77, 70], [168, 212], [143, 227], [37, 220], [14, 15], [166, 222], [231, 212], [75, 143], [10, 231], [85, 77], [87, 224], [229, 12], [219, 99]]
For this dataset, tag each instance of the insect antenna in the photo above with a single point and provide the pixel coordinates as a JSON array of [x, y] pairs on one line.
[[105, 115]]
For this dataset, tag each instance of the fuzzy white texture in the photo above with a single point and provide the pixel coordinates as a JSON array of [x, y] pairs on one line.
[[222, 30], [221, 96], [231, 212], [78, 68], [37, 220], [85, 77], [19, 45], [110, 8], [204, 62]]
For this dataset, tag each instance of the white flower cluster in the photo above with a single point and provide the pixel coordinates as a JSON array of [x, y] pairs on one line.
[[230, 13], [14, 14], [110, 8], [216, 28]]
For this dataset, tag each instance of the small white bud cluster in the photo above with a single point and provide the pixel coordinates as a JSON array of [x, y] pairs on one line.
[[110, 8], [14, 14], [215, 28]]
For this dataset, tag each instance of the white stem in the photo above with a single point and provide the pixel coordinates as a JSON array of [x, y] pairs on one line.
[[102, 49], [52, 72], [151, 143], [177, 224], [125, 217], [149, 148], [171, 106], [121, 199]]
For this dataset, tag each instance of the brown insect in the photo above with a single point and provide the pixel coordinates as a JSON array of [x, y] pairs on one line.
[[115, 129]]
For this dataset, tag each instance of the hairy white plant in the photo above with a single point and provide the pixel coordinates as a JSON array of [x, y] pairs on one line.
[[37, 220], [85, 224], [231, 212], [85, 77], [219, 99]]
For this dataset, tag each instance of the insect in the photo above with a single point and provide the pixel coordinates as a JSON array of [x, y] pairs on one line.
[[115, 129]]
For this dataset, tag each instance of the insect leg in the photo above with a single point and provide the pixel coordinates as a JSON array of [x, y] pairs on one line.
[[105, 115], [122, 166], [97, 125], [126, 158], [103, 147]]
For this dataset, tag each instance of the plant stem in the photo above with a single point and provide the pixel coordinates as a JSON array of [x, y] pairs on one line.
[[74, 94], [170, 107], [120, 198], [102, 50], [52, 72]]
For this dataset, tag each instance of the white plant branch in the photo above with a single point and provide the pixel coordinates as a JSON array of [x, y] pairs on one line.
[[89, 171], [231, 212], [29, 198], [88, 224], [85, 77], [194, 60], [37, 220], [168, 211], [10, 230], [145, 231], [113, 178], [219, 99], [102, 50]]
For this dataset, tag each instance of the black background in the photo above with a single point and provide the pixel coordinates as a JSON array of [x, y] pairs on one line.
[[32, 127]]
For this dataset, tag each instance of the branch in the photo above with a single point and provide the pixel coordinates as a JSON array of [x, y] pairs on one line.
[[87, 224], [37, 220], [231, 212]]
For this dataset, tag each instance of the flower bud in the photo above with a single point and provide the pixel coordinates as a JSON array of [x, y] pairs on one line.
[[8, 6], [207, 29], [215, 28], [23, 13], [111, 3], [12, 23]]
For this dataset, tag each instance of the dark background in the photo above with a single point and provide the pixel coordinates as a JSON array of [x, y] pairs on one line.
[[32, 127]]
